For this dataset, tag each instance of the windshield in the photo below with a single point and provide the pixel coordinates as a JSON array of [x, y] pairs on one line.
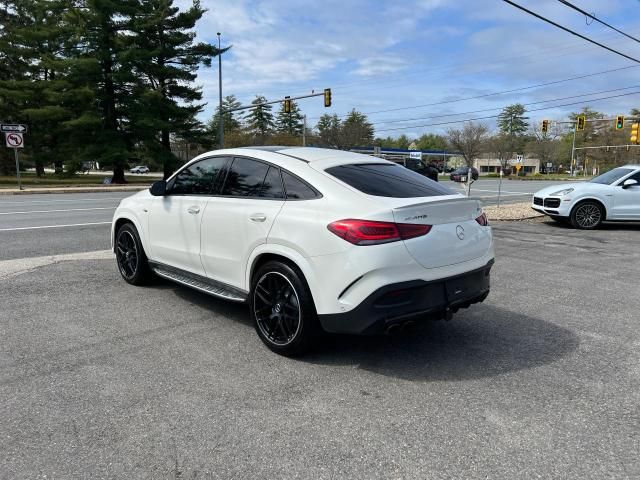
[[611, 176]]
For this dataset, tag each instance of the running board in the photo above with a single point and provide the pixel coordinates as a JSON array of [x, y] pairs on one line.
[[198, 282]]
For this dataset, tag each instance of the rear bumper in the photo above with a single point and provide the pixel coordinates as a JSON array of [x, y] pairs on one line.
[[400, 302]]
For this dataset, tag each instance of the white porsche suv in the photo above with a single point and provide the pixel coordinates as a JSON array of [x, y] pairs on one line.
[[312, 239], [612, 196]]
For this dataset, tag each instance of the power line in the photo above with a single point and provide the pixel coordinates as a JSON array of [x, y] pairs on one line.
[[496, 116], [492, 94], [570, 31], [590, 15], [500, 108]]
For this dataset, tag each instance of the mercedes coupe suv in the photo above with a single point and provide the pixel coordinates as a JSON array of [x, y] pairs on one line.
[[311, 239]]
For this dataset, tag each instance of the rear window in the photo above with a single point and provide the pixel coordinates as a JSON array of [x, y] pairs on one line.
[[387, 180]]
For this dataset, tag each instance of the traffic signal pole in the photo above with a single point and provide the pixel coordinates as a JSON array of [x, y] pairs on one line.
[[247, 107], [573, 146]]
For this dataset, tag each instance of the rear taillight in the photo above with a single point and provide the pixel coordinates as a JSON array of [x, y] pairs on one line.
[[367, 232], [483, 220]]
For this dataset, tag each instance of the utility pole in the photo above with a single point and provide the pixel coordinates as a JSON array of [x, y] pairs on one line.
[[221, 118], [304, 131], [573, 147]]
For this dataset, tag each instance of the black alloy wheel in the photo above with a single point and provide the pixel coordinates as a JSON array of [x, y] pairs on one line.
[[282, 308], [277, 308], [587, 215], [130, 256]]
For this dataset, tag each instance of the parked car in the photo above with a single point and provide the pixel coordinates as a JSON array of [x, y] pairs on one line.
[[612, 196], [312, 239], [139, 169], [458, 174]]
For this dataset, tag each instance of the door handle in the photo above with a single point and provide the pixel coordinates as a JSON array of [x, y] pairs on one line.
[[258, 217], [193, 210]]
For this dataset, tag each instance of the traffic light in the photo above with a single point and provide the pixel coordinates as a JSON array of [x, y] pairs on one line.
[[287, 105], [619, 122], [327, 97], [581, 121], [634, 132], [545, 126]]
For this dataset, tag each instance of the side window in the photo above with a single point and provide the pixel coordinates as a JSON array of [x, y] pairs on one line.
[[245, 178], [272, 186], [198, 178], [296, 189], [635, 176]]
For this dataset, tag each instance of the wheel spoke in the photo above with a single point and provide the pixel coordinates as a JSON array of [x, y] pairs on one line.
[[276, 308]]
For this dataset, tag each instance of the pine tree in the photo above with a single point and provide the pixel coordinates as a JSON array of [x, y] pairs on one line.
[[290, 123], [47, 97], [100, 61], [357, 130], [232, 120], [329, 129], [165, 60], [260, 120]]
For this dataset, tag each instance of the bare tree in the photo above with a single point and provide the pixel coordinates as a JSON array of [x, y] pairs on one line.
[[501, 145], [469, 140], [546, 146]]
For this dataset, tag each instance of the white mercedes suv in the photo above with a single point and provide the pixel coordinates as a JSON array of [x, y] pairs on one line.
[[312, 239]]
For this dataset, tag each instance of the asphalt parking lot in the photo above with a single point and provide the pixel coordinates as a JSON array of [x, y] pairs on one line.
[[99, 379]]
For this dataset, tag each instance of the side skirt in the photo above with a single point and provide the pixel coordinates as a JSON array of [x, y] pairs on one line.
[[198, 282]]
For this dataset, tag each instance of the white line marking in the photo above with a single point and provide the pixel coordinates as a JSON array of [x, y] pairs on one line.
[[53, 226], [10, 268], [67, 210], [78, 200]]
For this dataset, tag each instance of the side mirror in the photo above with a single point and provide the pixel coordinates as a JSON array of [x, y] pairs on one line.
[[629, 183], [158, 189]]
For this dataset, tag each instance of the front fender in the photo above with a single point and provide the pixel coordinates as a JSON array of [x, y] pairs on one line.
[[126, 214], [603, 199]]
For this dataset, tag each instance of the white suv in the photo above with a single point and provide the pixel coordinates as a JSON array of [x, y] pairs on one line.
[[612, 196], [139, 169], [312, 239]]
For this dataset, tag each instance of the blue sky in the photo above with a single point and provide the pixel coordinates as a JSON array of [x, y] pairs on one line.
[[383, 55]]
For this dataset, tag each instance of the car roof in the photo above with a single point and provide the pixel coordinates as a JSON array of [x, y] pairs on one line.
[[319, 158]]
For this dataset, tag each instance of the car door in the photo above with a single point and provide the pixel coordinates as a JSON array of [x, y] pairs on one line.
[[626, 201], [240, 218], [175, 218]]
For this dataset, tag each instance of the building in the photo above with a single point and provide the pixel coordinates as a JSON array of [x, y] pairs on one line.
[[487, 164]]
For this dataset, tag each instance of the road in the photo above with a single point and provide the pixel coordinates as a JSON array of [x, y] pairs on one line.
[[32, 225], [99, 379], [48, 224], [511, 191]]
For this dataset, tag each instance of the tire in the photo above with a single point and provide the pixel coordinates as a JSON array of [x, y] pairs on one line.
[[282, 309], [587, 215], [130, 257]]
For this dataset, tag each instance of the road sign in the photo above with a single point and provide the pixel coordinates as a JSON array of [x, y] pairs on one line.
[[549, 164], [13, 127], [518, 167], [14, 140], [519, 158], [414, 154]]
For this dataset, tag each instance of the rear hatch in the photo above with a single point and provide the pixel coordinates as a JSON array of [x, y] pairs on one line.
[[455, 236]]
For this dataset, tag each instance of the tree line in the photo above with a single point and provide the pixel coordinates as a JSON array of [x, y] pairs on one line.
[[515, 134], [101, 80]]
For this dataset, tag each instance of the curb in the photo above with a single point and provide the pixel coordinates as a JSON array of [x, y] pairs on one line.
[[73, 190], [514, 219]]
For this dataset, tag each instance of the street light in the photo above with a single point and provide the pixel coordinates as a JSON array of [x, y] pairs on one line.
[[221, 118]]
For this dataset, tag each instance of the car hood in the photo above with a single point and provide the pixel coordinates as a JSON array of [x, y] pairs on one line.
[[577, 186]]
